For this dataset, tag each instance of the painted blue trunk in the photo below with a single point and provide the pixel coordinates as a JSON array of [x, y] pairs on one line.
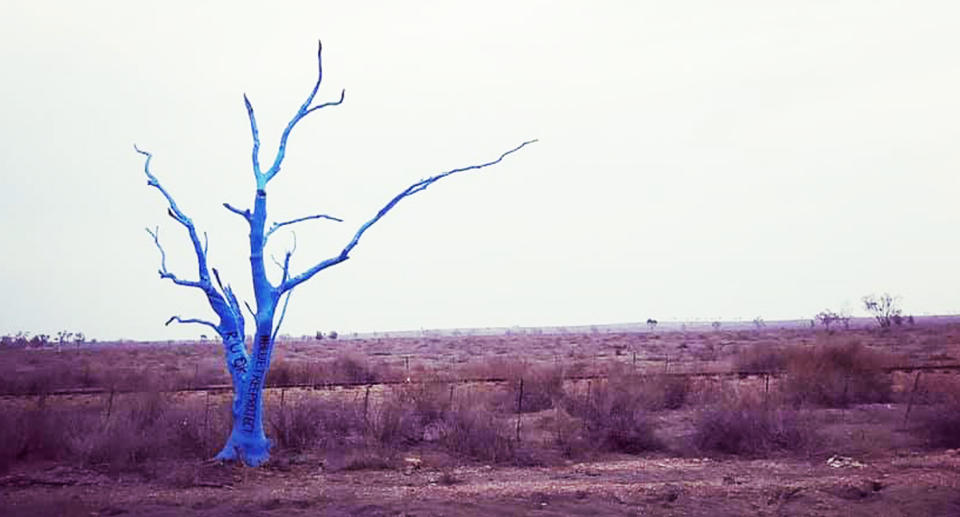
[[248, 368], [247, 441]]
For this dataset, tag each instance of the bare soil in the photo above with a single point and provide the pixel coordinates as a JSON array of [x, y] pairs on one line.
[[911, 484]]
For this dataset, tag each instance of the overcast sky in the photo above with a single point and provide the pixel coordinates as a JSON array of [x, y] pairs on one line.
[[696, 159]]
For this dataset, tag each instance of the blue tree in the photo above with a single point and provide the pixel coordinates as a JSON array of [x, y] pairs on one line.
[[248, 367]]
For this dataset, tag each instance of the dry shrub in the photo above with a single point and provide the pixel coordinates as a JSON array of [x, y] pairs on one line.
[[394, 424], [940, 422], [411, 413], [197, 431], [35, 433], [316, 422], [837, 375], [665, 391], [751, 428], [477, 433], [613, 414], [116, 445], [142, 427], [653, 392], [284, 373], [416, 413], [351, 369], [940, 425], [138, 428], [936, 388], [542, 387], [760, 358], [429, 401]]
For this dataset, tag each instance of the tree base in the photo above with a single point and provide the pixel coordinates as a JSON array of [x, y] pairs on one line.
[[252, 451]]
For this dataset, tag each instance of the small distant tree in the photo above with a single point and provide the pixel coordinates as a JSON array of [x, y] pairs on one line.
[[63, 336], [78, 339], [759, 323], [827, 317], [652, 323], [40, 340], [319, 335], [885, 308], [716, 325], [844, 319], [332, 334]]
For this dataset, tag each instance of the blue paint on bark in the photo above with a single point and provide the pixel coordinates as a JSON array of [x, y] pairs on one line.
[[248, 368]]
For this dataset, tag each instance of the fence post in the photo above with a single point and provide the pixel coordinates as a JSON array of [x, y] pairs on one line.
[[519, 408], [916, 382], [206, 410], [366, 404], [110, 402]]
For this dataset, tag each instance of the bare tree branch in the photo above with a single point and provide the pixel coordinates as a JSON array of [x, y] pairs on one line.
[[284, 266], [224, 305], [180, 217], [286, 260], [305, 109], [275, 226], [242, 213], [256, 137], [231, 299], [283, 312], [409, 191], [155, 233], [178, 319]]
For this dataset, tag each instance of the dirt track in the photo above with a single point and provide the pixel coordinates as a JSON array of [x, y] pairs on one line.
[[913, 484]]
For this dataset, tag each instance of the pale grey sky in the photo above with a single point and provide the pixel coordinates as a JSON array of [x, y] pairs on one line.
[[697, 159]]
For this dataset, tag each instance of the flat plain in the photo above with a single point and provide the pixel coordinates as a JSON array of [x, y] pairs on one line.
[[748, 421]]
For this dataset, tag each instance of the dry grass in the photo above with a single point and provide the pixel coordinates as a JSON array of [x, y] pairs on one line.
[[619, 413], [118, 437], [765, 357], [836, 375], [940, 425], [315, 423], [614, 418], [745, 425]]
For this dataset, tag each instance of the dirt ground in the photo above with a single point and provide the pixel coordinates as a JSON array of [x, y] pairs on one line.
[[906, 484]]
